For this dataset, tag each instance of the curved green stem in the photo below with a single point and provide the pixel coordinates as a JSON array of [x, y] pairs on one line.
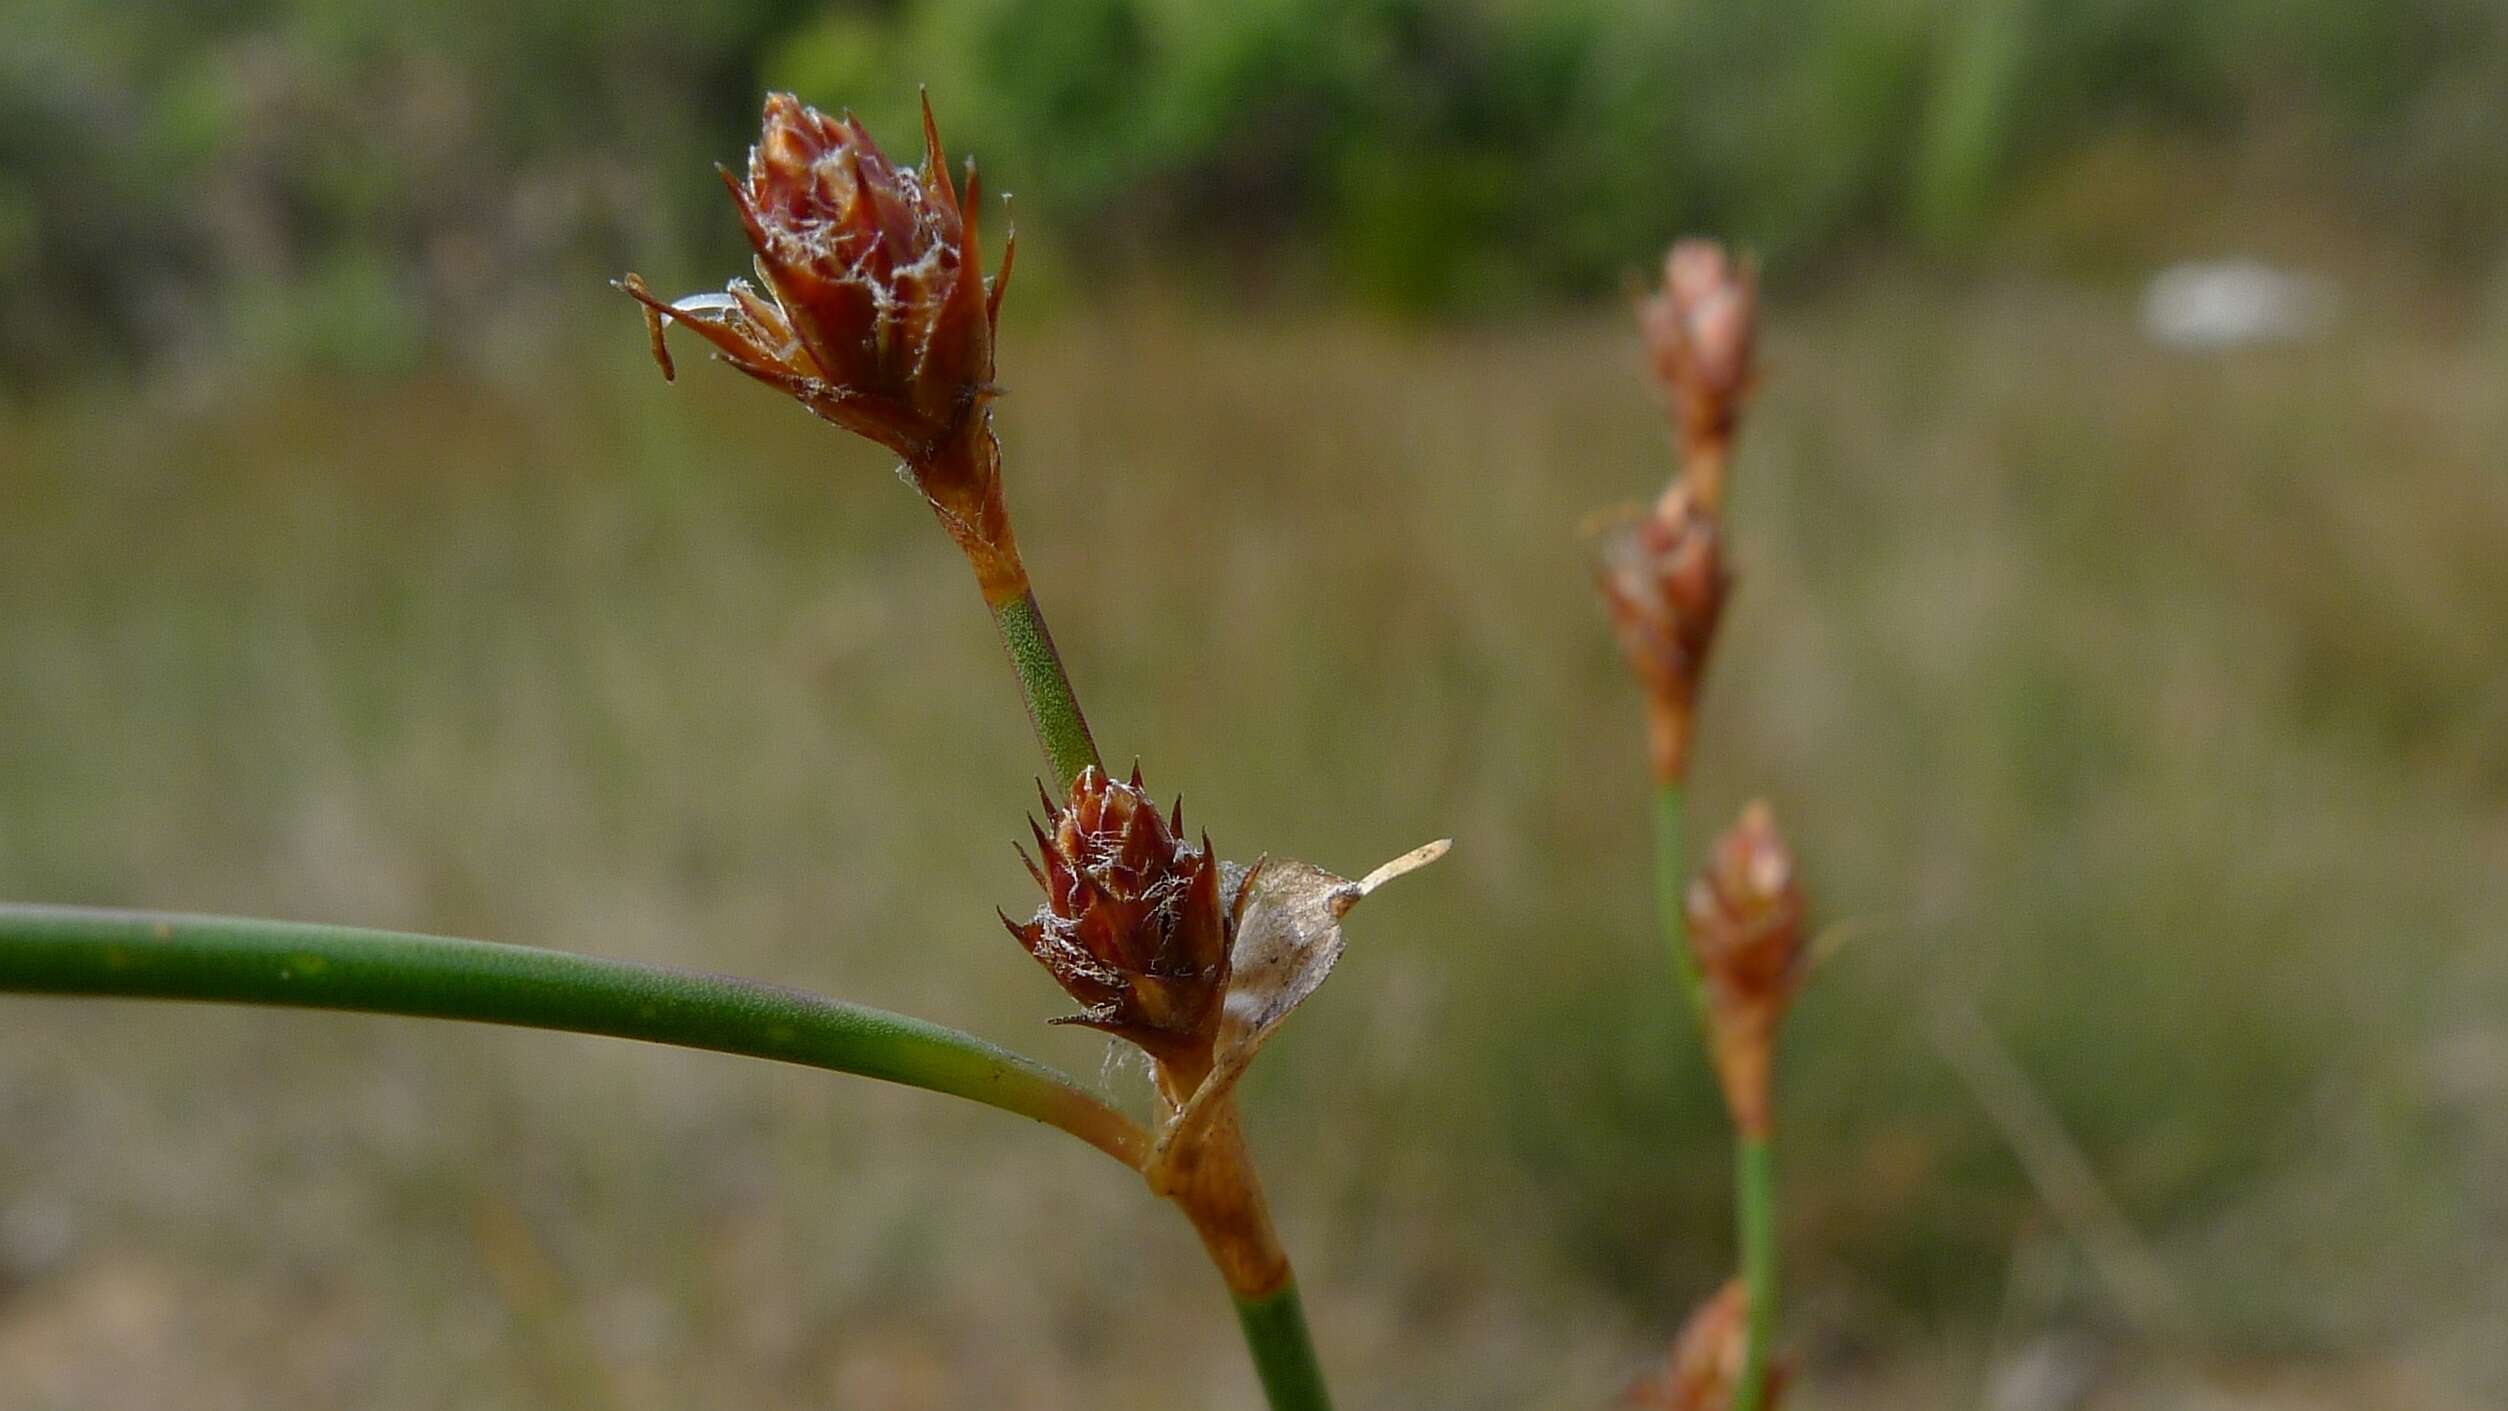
[[1754, 1171], [148, 955], [1052, 706], [1284, 1354], [1671, 884]]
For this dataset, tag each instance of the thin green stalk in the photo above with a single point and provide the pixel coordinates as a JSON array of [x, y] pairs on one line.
[[1671, 885], [1284, 1354], [1754, 1172], [148, 955], [1052, 707]]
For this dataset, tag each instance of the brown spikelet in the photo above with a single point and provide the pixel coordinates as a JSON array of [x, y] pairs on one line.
[[1702, 333], [1663, 577], [1132, 927], [1705, 1360], [1746, 930], [875, 315]]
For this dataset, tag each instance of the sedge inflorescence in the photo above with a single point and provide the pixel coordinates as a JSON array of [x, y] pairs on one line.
[[875, 311], [1661, 570], [1737, 930], [1746, 929], [1133, 925]]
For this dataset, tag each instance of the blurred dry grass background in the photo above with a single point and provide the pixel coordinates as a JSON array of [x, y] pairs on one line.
[[2152, 706]]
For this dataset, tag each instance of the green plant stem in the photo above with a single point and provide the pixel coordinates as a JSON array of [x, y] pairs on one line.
[[1754, 1172], [1284, 1354], [1671, 887], [1052, 707], [148, 955]]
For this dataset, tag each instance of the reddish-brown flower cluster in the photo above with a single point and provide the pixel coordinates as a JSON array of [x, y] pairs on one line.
[[1746, 930], [1133, 925], [1664, 580], [1702, 331], [1705, 1360], [876, 315], [1662, 573]]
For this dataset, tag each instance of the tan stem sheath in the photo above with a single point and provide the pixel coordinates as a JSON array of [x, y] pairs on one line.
[[1669, 725], [1744, 1052], [1705, 456], [961, 478], [1211, 1179], [1208, 1173]]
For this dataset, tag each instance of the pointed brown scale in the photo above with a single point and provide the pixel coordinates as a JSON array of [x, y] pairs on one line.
[[740, 351], [1093, 894], [1206, 934], [765, 315], [635, 286], [1032, 939], [751, 223], [999, 284], [935, 162]]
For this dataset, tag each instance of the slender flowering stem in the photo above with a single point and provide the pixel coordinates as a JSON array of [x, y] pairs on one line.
[[1754, 1170], [1053, 708], [1284, 1355], [1754, 1174], [148, 955]]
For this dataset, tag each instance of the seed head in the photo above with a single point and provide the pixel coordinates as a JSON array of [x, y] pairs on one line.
[[1746, 930], [1133, 926], [1702, 331], [875, 314], [1663, 578]]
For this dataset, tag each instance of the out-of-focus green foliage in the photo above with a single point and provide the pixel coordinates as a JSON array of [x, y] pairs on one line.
[[171, 174]]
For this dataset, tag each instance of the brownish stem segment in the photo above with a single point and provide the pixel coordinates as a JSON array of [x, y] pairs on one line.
[[1208, 1173], [1744, 1052], [961, 478], [1205, 1170], [1706, 455], [1211, 1179], [1670, 722]]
